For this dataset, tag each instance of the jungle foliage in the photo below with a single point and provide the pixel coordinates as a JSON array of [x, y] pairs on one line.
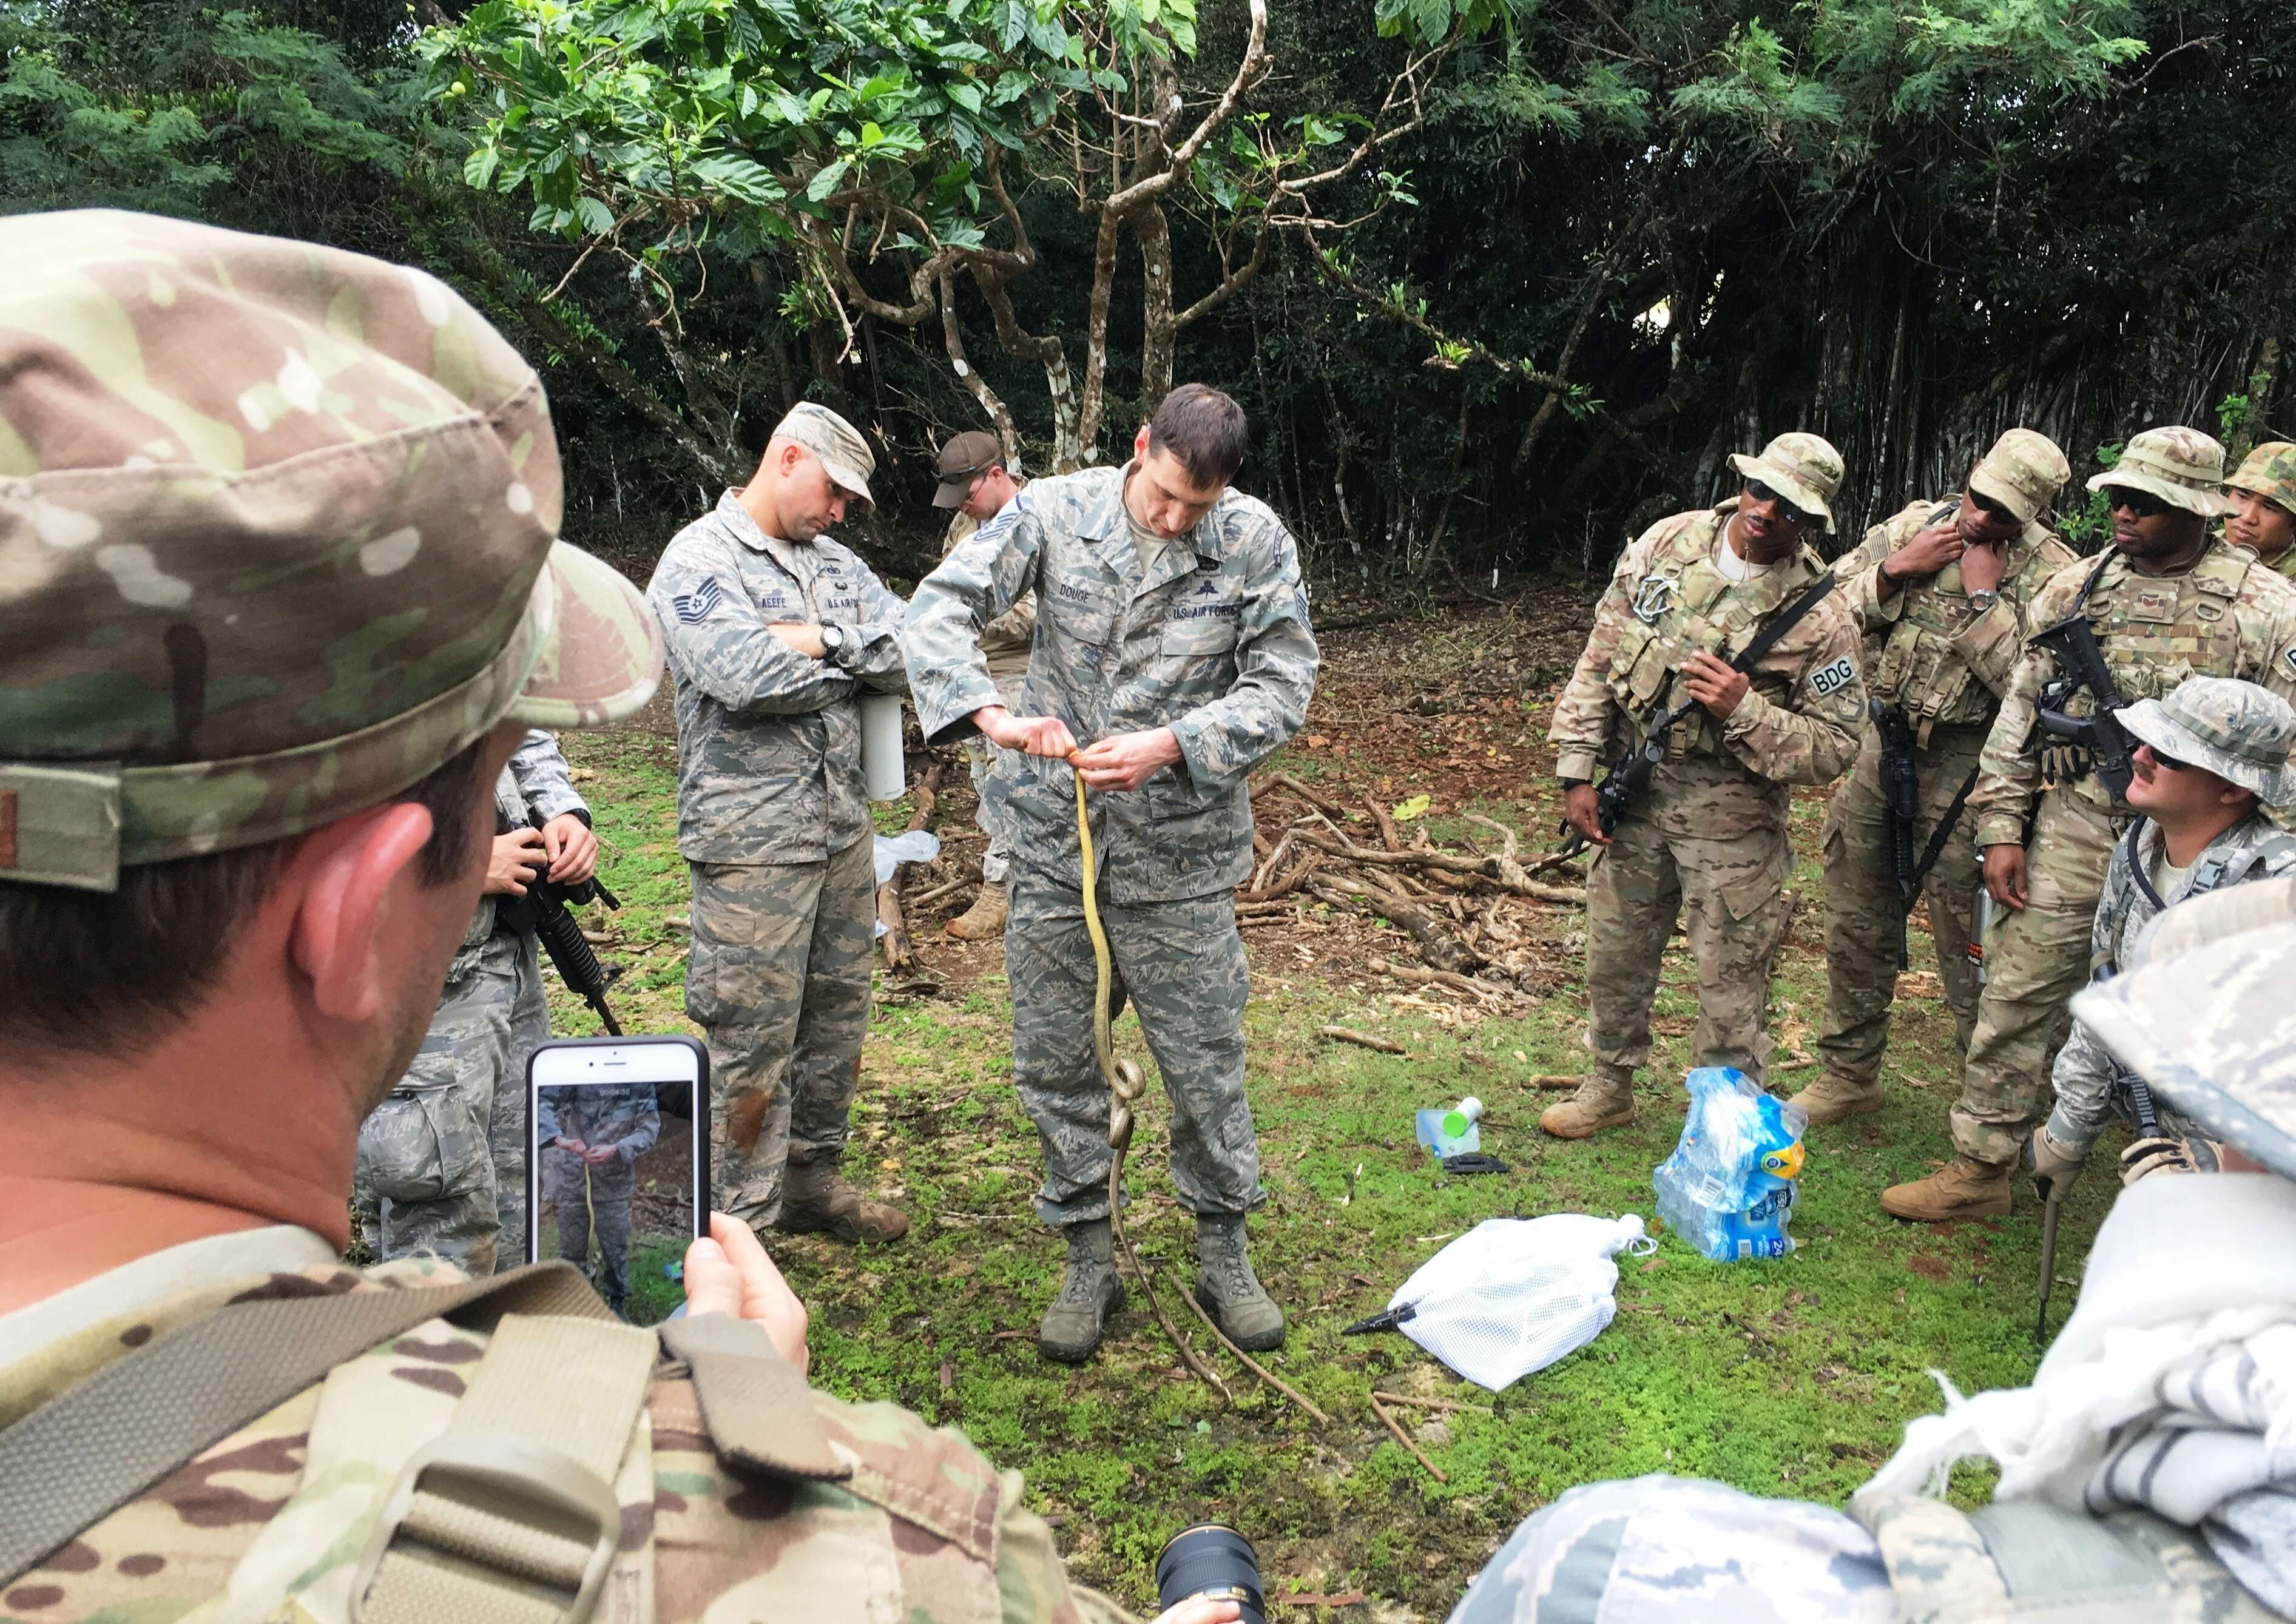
[[1497, 280]]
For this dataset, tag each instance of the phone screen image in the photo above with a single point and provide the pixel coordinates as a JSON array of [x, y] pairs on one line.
[[618, 1165]]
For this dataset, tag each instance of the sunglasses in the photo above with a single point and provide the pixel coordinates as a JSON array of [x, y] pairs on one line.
[[1787, 511], [1991, 509], [2167, 762], [2141, 504]]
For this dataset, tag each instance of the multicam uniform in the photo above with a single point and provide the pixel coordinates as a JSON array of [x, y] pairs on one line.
[[2226, 615], [773, 820], [1941, 665], [1004, 644], [847, 1502], [596, 1196], [442, 1162], [1709, 839], [1207, 634]]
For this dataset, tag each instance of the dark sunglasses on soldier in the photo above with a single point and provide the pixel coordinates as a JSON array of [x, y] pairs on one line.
[[2140, 504], [1787, 511], [2167, 762], [1991, 509]]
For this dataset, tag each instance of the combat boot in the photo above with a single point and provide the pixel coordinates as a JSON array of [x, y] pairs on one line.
[[985, 918], [1229, 1292], [1605, 1099], [815, 1197], [1961, 1189], [1832, 1098], [1090, 1292]]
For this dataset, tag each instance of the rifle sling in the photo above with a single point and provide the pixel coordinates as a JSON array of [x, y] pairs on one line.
[[1762, 642], [1942, 832]]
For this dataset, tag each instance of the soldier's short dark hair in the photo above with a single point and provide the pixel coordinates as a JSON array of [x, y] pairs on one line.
[[1204, 429], [103, 973]]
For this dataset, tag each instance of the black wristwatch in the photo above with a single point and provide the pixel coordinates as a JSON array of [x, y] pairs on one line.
[[833, 644]]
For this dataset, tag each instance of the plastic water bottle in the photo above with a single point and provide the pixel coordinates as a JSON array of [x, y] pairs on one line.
[[1729, 1189], [1453, 1132]]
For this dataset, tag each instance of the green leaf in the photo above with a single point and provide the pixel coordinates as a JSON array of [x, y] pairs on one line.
[[1410, 810], [478, 167], [965, 94], [593, 216], [825, 181]]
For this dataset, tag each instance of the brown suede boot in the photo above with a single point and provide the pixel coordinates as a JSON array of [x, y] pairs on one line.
[[1830, 1099], [814, 1197], [1605, 1099], [1961, 1189], [985, 918]]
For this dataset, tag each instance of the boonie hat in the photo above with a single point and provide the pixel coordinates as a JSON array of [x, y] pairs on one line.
[[962, 461], [843, 453], [2182, 467], [2207, 1020], [1804, 469], [2270, 471], [277, 539], [2023, 472], [2236, 730]]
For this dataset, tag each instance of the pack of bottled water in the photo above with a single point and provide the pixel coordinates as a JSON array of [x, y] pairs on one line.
[[1728, 1189]]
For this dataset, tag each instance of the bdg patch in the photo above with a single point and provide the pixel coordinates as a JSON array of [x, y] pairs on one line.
[[1832, 678]]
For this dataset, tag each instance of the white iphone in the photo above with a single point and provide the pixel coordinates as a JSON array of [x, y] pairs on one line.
[[617, 1164]]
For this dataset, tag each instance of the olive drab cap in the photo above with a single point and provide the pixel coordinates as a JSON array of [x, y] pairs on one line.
[[2182, 467], [1804, 469], [2270, 471], [2234, 729], [2206, 1019], [2023, 472], [277, 539], [843, 453]]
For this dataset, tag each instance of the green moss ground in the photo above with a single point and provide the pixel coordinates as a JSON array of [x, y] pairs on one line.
[[1791, 1377]]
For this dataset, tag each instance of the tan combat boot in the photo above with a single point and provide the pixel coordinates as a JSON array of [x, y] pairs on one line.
[[815, 1197], [1832, 1099], [985, 918], [1605, 1099], [1961, 1189]]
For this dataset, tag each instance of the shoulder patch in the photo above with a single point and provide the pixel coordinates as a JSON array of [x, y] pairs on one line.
[[696, 606], [2288, 658], [1832, 676]]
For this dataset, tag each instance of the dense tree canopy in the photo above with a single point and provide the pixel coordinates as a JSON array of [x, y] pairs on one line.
[[1497, 280]]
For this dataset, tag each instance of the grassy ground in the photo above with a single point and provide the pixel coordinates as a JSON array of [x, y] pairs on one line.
[[1791, 1377]]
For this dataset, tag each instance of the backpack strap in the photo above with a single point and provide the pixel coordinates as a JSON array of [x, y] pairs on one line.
[[85, 1453]]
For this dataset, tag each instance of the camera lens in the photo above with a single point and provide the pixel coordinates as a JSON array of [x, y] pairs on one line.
[[1212, 1560]]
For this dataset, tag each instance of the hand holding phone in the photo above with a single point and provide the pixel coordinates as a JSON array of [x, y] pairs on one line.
[[728, 1272]]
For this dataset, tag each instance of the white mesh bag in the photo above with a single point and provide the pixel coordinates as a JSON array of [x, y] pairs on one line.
[[1513, 1295]]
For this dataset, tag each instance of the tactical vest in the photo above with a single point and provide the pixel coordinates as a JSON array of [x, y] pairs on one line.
[[1683, 605], [2016, 1561], [2215, 869], [1920, 672]]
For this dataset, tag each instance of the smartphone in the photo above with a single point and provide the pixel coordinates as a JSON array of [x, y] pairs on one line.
[[617, 1164]]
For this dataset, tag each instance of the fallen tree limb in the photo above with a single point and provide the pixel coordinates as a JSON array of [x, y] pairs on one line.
[[896, 939], [1321, 803], [1503, 871], [1435, 939], [1250, 1363], [1404, 971], [921, 903], [1387, 835], [1364, 1040], [1404, 1439]]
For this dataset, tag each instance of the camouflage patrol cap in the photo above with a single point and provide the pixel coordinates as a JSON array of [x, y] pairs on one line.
[[2023, 472], [2270, 471], [843, 453], [2234, 729], [2209, 1023], [277, 539], [1804, 469], [2182, 467]]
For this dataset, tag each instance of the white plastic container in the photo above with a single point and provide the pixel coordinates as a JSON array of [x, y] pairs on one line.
[[884, 774]]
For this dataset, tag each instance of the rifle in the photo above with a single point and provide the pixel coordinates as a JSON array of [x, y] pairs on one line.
[[543, 911], [1901, 803], [2071, 643], [1629, 776]]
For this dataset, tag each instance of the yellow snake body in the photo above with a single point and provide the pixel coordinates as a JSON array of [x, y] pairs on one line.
[[1125, 1080]]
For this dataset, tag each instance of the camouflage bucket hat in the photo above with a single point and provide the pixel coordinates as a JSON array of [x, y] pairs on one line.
[[277, 539], [2211, 1027], [2236, 730], [963, 460], [2182, 467], [1803, 468], [2270, 471], [2023, 472], [839, 444]]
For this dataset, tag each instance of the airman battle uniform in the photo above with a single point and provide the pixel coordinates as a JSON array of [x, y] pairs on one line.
[[2223, 615], [1206, 632], [1939, 660], [1709, 839]]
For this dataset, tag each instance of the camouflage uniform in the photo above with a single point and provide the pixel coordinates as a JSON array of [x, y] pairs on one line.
[[2270, 471], [1709, 839], [1207, 634], [596, 1196], [774, 823], [424, 1183], [1004, 644], [1941, 664], [2223, 616]]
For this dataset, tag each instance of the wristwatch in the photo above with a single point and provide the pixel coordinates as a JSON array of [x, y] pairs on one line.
[[1984, 599], [833, 644]]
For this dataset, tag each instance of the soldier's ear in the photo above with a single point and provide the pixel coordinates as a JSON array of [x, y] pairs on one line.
[[344, 881]]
